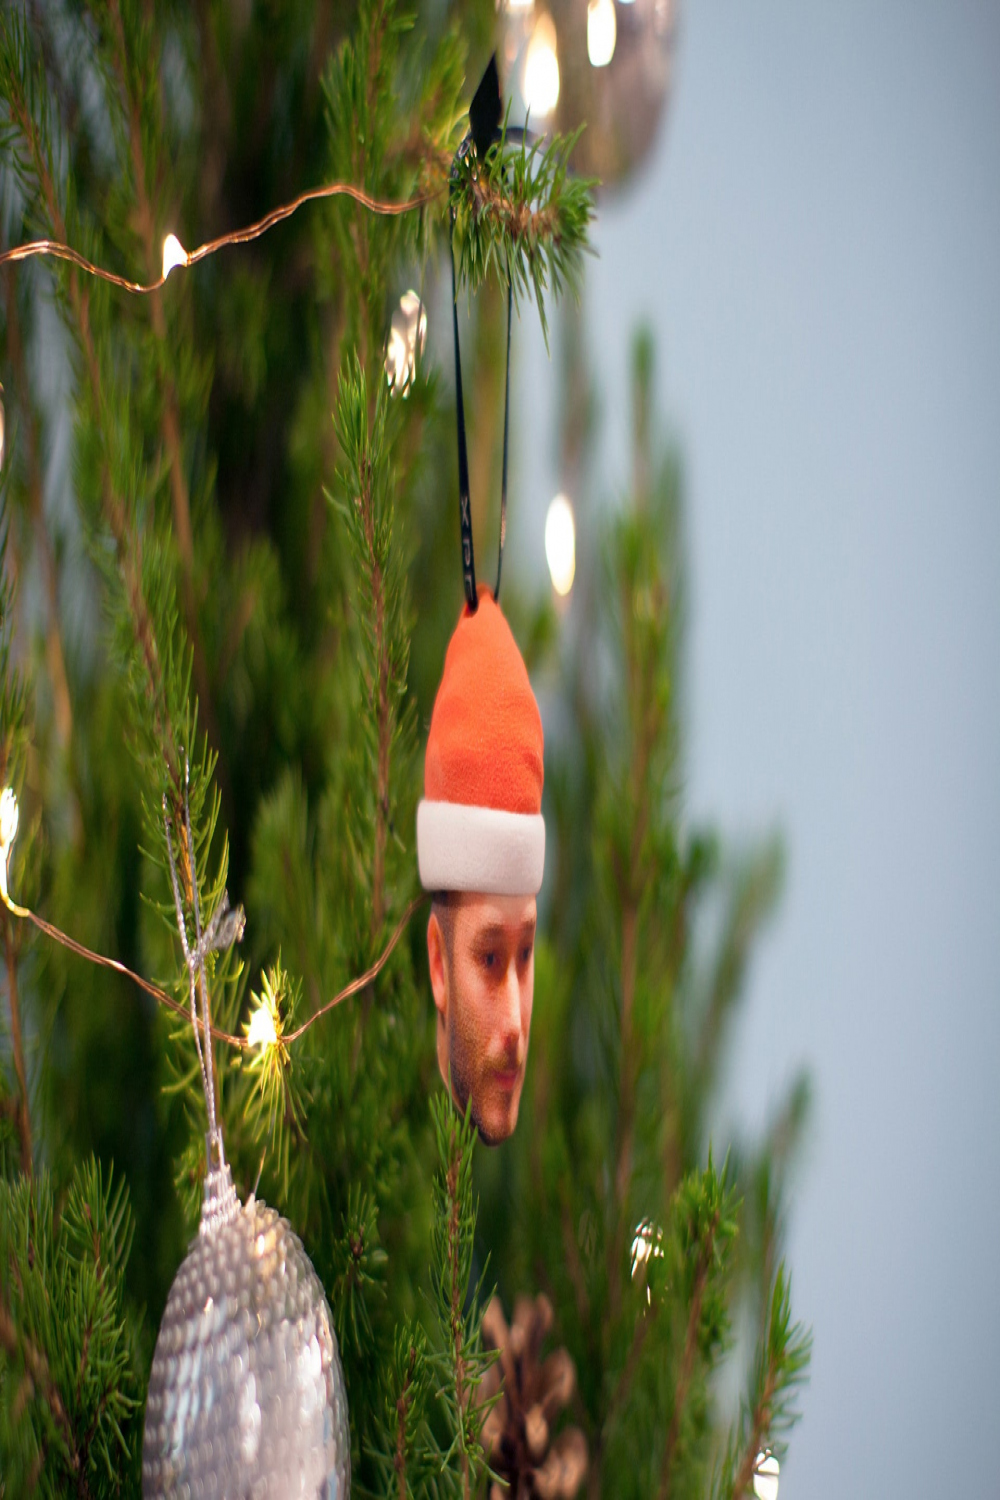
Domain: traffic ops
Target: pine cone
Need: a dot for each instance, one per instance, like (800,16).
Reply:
(517,1430)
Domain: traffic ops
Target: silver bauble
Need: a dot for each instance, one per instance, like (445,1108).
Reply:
(246,1397)
(613,64)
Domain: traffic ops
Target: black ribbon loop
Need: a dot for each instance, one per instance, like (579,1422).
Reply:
(485,115)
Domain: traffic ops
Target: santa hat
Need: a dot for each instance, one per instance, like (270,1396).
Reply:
(479,825)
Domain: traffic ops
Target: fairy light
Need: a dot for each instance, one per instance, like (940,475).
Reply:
(765,1476)
(560,544)
(647,1245)
(262,1031)
(541,69)
(406,342)
(8,833)
(602,32)
(174,254)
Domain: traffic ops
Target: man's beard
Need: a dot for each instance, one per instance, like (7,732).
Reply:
(461,1055)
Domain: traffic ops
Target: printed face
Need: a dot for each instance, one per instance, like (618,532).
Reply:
(482,963)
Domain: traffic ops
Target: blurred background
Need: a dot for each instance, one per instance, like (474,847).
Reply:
(814,239)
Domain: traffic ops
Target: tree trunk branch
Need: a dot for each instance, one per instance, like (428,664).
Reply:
(23,1114)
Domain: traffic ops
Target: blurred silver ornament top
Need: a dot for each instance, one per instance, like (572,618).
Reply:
(604,63)
(246,1396)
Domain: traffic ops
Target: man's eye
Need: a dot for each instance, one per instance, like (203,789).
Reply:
(488,958)
(526,952)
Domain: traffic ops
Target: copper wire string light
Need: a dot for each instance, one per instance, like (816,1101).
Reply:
(174,253)
(8,832)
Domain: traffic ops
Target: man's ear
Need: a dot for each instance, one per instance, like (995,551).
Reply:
(437,960)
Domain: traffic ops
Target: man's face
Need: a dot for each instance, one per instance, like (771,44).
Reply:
(482,965)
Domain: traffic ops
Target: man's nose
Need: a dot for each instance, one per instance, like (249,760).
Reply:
(509,1004)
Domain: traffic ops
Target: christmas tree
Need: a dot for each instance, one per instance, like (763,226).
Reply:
(230,569)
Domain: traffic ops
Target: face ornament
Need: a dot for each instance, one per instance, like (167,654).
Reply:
(481,850)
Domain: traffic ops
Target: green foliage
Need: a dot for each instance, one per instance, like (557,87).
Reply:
(462,1361)
(426,1440)
(70,1392)
(14,707)
(247,552)
(769,1410)
(521,214)
(406,1459)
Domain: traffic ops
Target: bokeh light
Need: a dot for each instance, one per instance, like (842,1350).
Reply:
(602,32)
(765,1476)
(541,70)
(560,544)
(174,254)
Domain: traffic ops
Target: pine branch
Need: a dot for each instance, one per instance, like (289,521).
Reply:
(158,658)
(127,71)
(67,1382)
(626,1109)
(368,487)
(126,540)
(685,1373)
(780,1371)
(383,724)
(706,1207)
(645,714)
(13,748)
(404,1403)
(19,1347)
(407,1459)
(462,1360)
(521,213)
(456,1323)
(360,1269)
(645,1324)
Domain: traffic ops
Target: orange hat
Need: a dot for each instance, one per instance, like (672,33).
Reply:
(479,825)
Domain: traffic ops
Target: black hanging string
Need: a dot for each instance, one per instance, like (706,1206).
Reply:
(506,429)
(484,118)
(464,504)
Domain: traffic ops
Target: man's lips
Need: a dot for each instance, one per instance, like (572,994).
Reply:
(507,1078)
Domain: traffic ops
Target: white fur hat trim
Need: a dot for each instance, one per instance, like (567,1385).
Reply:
(461,848)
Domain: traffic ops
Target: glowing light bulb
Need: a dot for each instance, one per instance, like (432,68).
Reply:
(8,819)
(647,1245)
(261,1032)
(560,544)
(8,832)
(541,69)
(174,254)
(520,4)
(765,1476)
(602,32)
(406,342)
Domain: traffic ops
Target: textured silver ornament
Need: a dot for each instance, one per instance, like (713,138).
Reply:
(607,64)
(246,1397)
